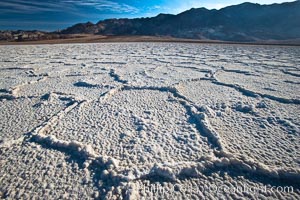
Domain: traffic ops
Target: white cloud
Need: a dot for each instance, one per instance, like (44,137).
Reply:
(104,5)
(34,6)
(29,7)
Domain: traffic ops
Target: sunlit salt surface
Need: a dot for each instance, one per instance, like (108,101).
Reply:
(149,120)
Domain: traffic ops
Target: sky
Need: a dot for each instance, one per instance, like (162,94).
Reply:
(50,15)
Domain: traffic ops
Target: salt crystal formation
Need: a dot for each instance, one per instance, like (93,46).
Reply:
(149,120)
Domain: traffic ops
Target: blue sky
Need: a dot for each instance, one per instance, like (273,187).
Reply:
(58,14)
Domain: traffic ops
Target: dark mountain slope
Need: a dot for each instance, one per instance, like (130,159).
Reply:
(243,22)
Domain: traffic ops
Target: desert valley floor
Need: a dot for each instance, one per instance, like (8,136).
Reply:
(149,121)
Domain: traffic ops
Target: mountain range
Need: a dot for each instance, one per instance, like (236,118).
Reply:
(245,22)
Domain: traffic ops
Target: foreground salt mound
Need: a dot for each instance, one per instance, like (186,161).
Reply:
(43,172)
(130,128)
(203,92)
(13,73)
(153,67)
(20,116)
(269,83)
(76,86)
(79,83)
(265,127)
(140,120)
(265,136)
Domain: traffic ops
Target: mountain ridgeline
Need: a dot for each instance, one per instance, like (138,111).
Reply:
(244,22)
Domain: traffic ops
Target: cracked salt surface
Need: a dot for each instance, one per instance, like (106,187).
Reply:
(140,120)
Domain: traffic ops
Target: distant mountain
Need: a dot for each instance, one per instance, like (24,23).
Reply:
(244,22)
(26,35)
(21,36)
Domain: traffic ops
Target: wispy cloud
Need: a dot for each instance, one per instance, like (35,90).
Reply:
(35,6)
(31,6)
(105,5)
